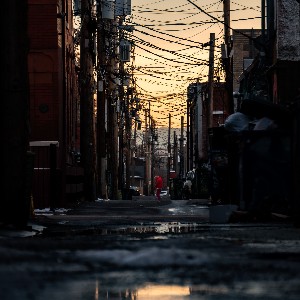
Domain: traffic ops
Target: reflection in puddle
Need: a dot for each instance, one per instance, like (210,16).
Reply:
(98,290)
(150,291)
(188,210)
(171,227)
(162,292)
(133,287)
(175,292)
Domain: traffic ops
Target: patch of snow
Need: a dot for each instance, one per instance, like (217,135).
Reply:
(48,211)
(101,200)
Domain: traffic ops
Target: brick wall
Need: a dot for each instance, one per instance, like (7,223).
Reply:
(243,48)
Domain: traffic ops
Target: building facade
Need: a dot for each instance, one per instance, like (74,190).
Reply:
(197,139)
(54,99)
(244,52)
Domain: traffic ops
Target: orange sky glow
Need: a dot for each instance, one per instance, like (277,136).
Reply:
(169,49)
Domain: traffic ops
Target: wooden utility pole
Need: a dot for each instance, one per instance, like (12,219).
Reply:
(101,106)
(123,141)
(147,167)
(87,122)
(175,153)
(210,104)
(190,132)
(149,154)
(200,140)
(128,125)
(181,166)
(169,152)
(112,128)
(152,129)
(228,59)
(112,148)
(226,9)
(188,126)
(133,154)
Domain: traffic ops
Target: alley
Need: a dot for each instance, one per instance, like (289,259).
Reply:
(148,250)
(102,97)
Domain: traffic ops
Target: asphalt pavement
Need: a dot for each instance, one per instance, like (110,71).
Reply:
(144,208)
(144,249)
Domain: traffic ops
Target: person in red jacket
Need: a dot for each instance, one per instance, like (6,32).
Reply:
(158,186)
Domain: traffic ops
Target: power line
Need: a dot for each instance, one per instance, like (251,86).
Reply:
(222,22)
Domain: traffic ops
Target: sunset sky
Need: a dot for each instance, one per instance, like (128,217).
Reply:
(170,51)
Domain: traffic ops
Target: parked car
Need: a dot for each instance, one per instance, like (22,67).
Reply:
(134,190)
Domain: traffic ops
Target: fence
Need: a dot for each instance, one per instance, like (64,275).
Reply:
(45,188)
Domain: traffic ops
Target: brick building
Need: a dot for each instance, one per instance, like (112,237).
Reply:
(197,143)
(54,98)
(244,52)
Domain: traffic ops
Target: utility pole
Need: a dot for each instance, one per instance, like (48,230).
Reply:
(133,154)
(226,9)
(123,141)
(87,123)
(181,166)
(188,126)
(228,59)
(148,155)
(101,105)
(200,122)
(146,177)
(210,104)
(175,153)
(112,129)
(128,125)
(169,152)
(152,130)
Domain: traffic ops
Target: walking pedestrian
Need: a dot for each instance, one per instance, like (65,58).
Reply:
(158,186)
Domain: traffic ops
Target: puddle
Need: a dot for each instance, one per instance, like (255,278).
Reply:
(161,228)
(101,289)
(188,210)
(33,229)
(97,290)
(161,292)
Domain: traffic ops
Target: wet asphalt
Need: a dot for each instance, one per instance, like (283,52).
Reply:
(142,249)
